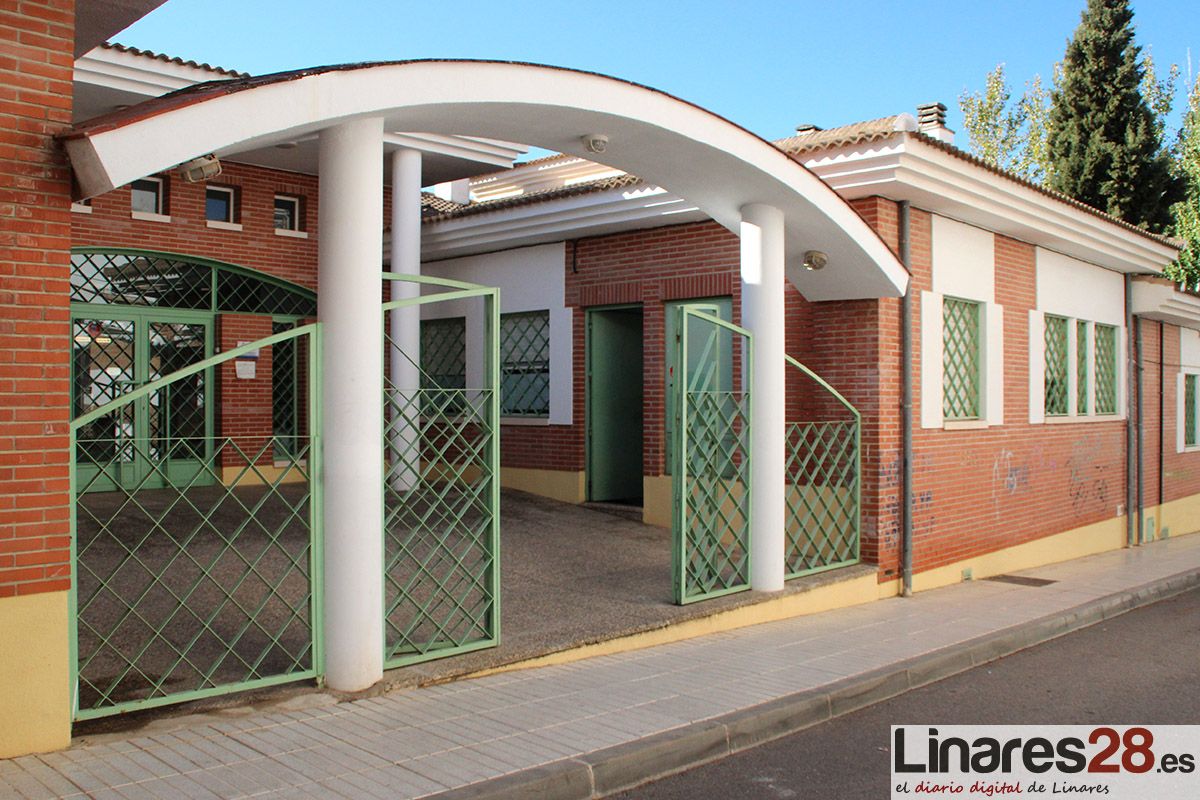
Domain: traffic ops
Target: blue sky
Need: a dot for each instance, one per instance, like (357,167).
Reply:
(764,65)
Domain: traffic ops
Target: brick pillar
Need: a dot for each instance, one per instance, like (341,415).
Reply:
(36,61)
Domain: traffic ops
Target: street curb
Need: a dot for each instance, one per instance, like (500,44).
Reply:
(624,766)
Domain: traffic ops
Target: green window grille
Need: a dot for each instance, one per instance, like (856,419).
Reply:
(961,359)
(1189,410)
(1106,369)
(285,391)
(525,364)
(1057,399)
(1081,367)
(444,353)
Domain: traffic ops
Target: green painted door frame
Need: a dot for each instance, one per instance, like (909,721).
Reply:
(136,421)
(614,443)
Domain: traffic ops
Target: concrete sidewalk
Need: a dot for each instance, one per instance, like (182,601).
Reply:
(592,727)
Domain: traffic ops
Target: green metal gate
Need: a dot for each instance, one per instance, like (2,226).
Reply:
(823,473)
(196,585)
(710,459)
(442,481)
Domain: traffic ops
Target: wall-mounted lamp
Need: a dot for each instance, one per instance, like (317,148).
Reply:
(815,260)
(200,168)
(595,142)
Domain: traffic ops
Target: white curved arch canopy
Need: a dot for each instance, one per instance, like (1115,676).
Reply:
(691,152)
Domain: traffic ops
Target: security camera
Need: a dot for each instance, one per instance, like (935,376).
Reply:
(200,169)
(595,142)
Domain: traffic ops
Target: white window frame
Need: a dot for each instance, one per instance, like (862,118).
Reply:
(160,200)
(297,229)
(230,222)
(1037,371)
(1181,410)
(991,363)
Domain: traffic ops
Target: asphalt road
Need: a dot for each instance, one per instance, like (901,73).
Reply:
(1142,667)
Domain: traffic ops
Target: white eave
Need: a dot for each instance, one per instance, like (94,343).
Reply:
(554,220)
(139,74)
(903,167)
(1160,300)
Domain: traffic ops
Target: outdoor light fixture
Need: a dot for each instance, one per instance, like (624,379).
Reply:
(200,168)
(815,260)
(595,142)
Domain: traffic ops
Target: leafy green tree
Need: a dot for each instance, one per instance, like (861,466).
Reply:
(1186,213)
(1105,140)
(1012,135)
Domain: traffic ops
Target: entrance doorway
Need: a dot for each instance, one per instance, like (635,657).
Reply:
(614,405)
(162,438)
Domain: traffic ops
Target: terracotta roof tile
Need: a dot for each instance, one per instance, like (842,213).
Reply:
(120,48)
(855,133)
(431,204)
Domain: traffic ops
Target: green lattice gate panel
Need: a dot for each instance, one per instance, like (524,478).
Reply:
(441,490)
(823,473)
(201,585)
(711,459)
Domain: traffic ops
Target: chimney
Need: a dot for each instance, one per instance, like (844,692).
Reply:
(806,127)
(931,121)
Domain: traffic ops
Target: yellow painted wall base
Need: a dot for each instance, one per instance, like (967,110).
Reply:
(1176,518)
(568,487)
(35,693)
(823,598)
(657,502)
(261,475)
(1179,517)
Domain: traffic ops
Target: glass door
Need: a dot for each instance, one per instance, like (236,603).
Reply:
(161,439)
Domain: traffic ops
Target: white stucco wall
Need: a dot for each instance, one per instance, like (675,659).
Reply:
(1068,287)
(964,267)
(529,279)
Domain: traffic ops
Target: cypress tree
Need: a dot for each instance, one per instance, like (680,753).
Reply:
(1104,140)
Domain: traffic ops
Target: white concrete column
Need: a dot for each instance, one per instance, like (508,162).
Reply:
(404,324)
(762,315)
(349,306)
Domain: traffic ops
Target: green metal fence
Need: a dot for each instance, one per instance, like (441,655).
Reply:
(442,495)
(190,588)
(710,468)
(823,473)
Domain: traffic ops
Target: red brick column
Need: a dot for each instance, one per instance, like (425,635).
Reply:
(36,62)
(36,41)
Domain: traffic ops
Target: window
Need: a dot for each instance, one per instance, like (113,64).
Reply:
(1057,387)
(147,196)
(1081,367)
(961,360)
(219,204)
(1189,410)
(1106,369)
(443,362)
(287,213)
(525,364)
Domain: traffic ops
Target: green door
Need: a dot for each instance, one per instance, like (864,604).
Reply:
(614,405)
(159,440)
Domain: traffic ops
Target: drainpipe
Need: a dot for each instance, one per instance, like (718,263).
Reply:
(906,404)
(1162,427)
(1137,371)
(1130,467)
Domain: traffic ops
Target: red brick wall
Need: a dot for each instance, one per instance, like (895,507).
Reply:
(36,42)
(977,491)
(244,406)
(1181,471)
(256,246)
